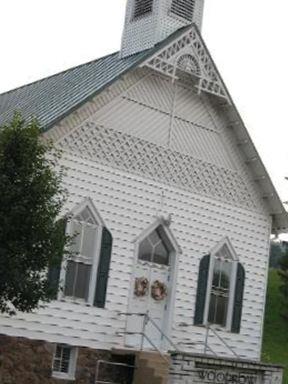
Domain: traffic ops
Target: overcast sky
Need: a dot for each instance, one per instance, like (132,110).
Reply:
(247,39)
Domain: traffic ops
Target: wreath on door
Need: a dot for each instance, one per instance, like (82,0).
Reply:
(141,286)
(158,290)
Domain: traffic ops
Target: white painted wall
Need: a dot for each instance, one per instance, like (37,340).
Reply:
(128,203)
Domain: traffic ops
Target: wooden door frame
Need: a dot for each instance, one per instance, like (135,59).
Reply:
(174,257)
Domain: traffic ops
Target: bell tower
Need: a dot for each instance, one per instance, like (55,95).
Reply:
(148,22)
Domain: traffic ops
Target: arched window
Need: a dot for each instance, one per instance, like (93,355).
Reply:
(84,228)
(183,8)
(155,247)
(84,274)
(220,289)
(142,8)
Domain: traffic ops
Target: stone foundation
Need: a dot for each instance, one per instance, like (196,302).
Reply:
(24,361)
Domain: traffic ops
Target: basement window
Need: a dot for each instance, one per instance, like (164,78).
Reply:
(142,8)
(64,362)
(183,9)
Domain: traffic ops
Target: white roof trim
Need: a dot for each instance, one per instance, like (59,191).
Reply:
(167,57)
(87,202)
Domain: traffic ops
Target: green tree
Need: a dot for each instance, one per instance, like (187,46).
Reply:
(283,273)
(31,197)
(276,253)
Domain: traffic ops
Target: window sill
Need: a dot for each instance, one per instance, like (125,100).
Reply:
(62,376)
(217,328)
(74,300)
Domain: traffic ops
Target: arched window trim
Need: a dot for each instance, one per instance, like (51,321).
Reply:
(96,252)
(164,223)
(234,260)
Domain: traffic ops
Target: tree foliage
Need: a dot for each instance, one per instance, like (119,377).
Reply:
(276,253)
(31,198)
(283,273)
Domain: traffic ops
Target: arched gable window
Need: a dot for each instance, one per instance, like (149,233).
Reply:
(85,274)
(220,288)
(142,8)
(156,247)
(183,8)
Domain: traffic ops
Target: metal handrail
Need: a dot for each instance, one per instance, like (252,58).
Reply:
(208,328)
(146,320)
(163,334)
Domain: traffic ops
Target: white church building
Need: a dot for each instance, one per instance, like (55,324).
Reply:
(173,211)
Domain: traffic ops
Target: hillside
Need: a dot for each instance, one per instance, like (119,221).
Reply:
(275,342)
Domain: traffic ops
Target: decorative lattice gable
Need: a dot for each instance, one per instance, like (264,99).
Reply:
(188,54)
(137,156)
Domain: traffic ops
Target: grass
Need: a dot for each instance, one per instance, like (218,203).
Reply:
(275,341)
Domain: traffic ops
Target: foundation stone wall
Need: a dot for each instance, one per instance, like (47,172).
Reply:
(24,361)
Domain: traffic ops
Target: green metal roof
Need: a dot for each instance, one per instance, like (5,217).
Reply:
(54,97)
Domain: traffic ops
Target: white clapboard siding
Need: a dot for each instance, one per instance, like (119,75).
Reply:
(140,82)
(188,138)
(147,106)
(128,205)
(68,322)
(150,99)
(92,106)
(152,125)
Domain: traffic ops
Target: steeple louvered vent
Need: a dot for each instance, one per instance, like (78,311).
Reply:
(183,8)
(142,8)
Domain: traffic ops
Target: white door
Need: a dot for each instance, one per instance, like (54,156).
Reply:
(150,292)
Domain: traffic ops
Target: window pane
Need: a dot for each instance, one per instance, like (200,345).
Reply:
(62,359)
(216,274)
(65,359)
(161,254)
(77,280)
(225,275)
(70,278)
(212,309)
(219,298)
(57,365)
(76,233)
(154,238)
(218,309)
(145,250)
(88,244)
(221,310)
(82,281)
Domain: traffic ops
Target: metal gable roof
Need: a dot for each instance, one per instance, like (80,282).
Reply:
(52,98)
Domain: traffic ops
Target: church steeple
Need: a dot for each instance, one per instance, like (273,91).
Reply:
(148,22)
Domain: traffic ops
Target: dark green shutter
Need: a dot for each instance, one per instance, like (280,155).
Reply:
(54,270)
(103,269)
(201,290)
(238,299)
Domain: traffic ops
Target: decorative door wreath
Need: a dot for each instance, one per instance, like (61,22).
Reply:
(141,286)
(158,290)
